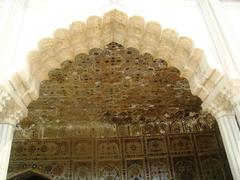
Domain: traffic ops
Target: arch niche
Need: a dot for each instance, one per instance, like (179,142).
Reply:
(29,175)
(117,27)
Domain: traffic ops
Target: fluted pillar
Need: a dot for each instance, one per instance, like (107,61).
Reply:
(236,105)
(224,112)
(237,111)
(231,137)
(11,112)
(231,94)
(6,137)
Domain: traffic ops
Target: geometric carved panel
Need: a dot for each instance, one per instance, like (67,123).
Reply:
(212,167)
(185,168)
(205,142)
(57,169)
(164,157)
(109,170)
(82,170)
(135,169)
(38,149)
(180,143)
(108,148)
(157,145)
(133,147)
(82,148)
(159,168)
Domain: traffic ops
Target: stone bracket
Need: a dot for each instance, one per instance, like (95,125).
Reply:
(11,109)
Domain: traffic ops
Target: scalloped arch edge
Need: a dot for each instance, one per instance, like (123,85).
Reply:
(115,26)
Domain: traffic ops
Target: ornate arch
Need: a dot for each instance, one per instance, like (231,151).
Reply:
(27,173)
(114,26)
(219,93)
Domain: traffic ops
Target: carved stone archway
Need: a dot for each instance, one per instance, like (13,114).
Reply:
(115,26)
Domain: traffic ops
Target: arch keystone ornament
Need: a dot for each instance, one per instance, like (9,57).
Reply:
(115,26)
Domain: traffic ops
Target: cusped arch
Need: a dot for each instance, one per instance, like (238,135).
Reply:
(28,174)
(116,26)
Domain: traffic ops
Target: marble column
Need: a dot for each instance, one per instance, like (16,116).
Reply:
(6,137)
(236,106)
(11,112)
(231,93)
(231,137)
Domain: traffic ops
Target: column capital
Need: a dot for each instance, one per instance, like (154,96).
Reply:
(11,112)
(231,91)
(219,107)
(225,93)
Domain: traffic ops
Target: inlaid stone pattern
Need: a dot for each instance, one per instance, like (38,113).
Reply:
(184,156)
(48,148)
(194,122)
(114,91)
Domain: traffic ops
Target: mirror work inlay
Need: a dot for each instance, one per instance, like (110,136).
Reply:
(117,114)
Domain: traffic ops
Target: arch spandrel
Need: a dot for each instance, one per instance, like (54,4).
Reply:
(115,26)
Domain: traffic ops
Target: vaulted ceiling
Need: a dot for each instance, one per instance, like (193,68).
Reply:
(115,86)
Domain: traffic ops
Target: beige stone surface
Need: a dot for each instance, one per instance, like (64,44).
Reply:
(115,26)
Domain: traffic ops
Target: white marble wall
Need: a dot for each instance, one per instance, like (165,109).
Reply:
(6,137)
